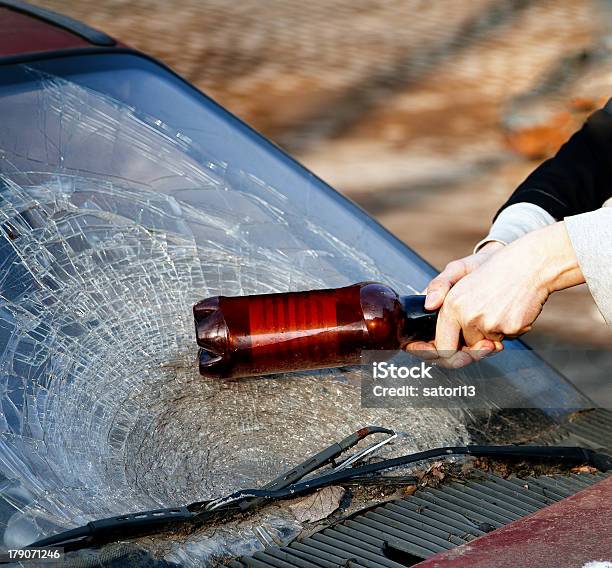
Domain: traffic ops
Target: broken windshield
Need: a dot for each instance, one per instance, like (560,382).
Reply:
(125,197)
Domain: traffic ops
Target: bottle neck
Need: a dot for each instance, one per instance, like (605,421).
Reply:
(418,324)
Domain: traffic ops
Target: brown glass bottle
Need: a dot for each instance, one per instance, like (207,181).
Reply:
(244,336)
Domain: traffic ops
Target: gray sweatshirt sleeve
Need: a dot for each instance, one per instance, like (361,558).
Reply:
(591,237)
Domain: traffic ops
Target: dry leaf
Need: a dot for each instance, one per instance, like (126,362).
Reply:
(584,469)
(319,505)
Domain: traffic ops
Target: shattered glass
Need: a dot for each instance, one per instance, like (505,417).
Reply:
(125,197)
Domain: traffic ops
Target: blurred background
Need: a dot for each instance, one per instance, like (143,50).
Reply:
(426,113)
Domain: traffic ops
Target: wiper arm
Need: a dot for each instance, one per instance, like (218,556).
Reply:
(328,455)
(572,454)
(289,485)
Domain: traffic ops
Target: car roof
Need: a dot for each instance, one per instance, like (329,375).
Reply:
(26,29)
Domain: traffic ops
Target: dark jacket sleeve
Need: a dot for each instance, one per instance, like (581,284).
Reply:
(579,177)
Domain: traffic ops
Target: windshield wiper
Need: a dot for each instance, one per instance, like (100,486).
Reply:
(290,484)
(572,454)
(147,522)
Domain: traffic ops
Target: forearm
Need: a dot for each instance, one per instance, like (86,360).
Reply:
(552,258)
(568,253)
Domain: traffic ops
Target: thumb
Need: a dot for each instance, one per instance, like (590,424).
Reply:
(439,287)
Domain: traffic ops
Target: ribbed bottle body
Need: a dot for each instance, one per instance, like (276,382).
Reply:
(275,333)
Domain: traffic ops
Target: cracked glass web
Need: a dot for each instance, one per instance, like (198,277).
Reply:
(114,221)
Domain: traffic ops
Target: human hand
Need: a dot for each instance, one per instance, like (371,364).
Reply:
(454,271)
(437,291)
(504,295)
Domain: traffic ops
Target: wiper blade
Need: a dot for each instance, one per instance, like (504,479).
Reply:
(121,525)
(289,485)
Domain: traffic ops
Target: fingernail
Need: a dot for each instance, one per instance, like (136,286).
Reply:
(431,300)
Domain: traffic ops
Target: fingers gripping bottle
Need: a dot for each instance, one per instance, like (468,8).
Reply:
(245,336)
